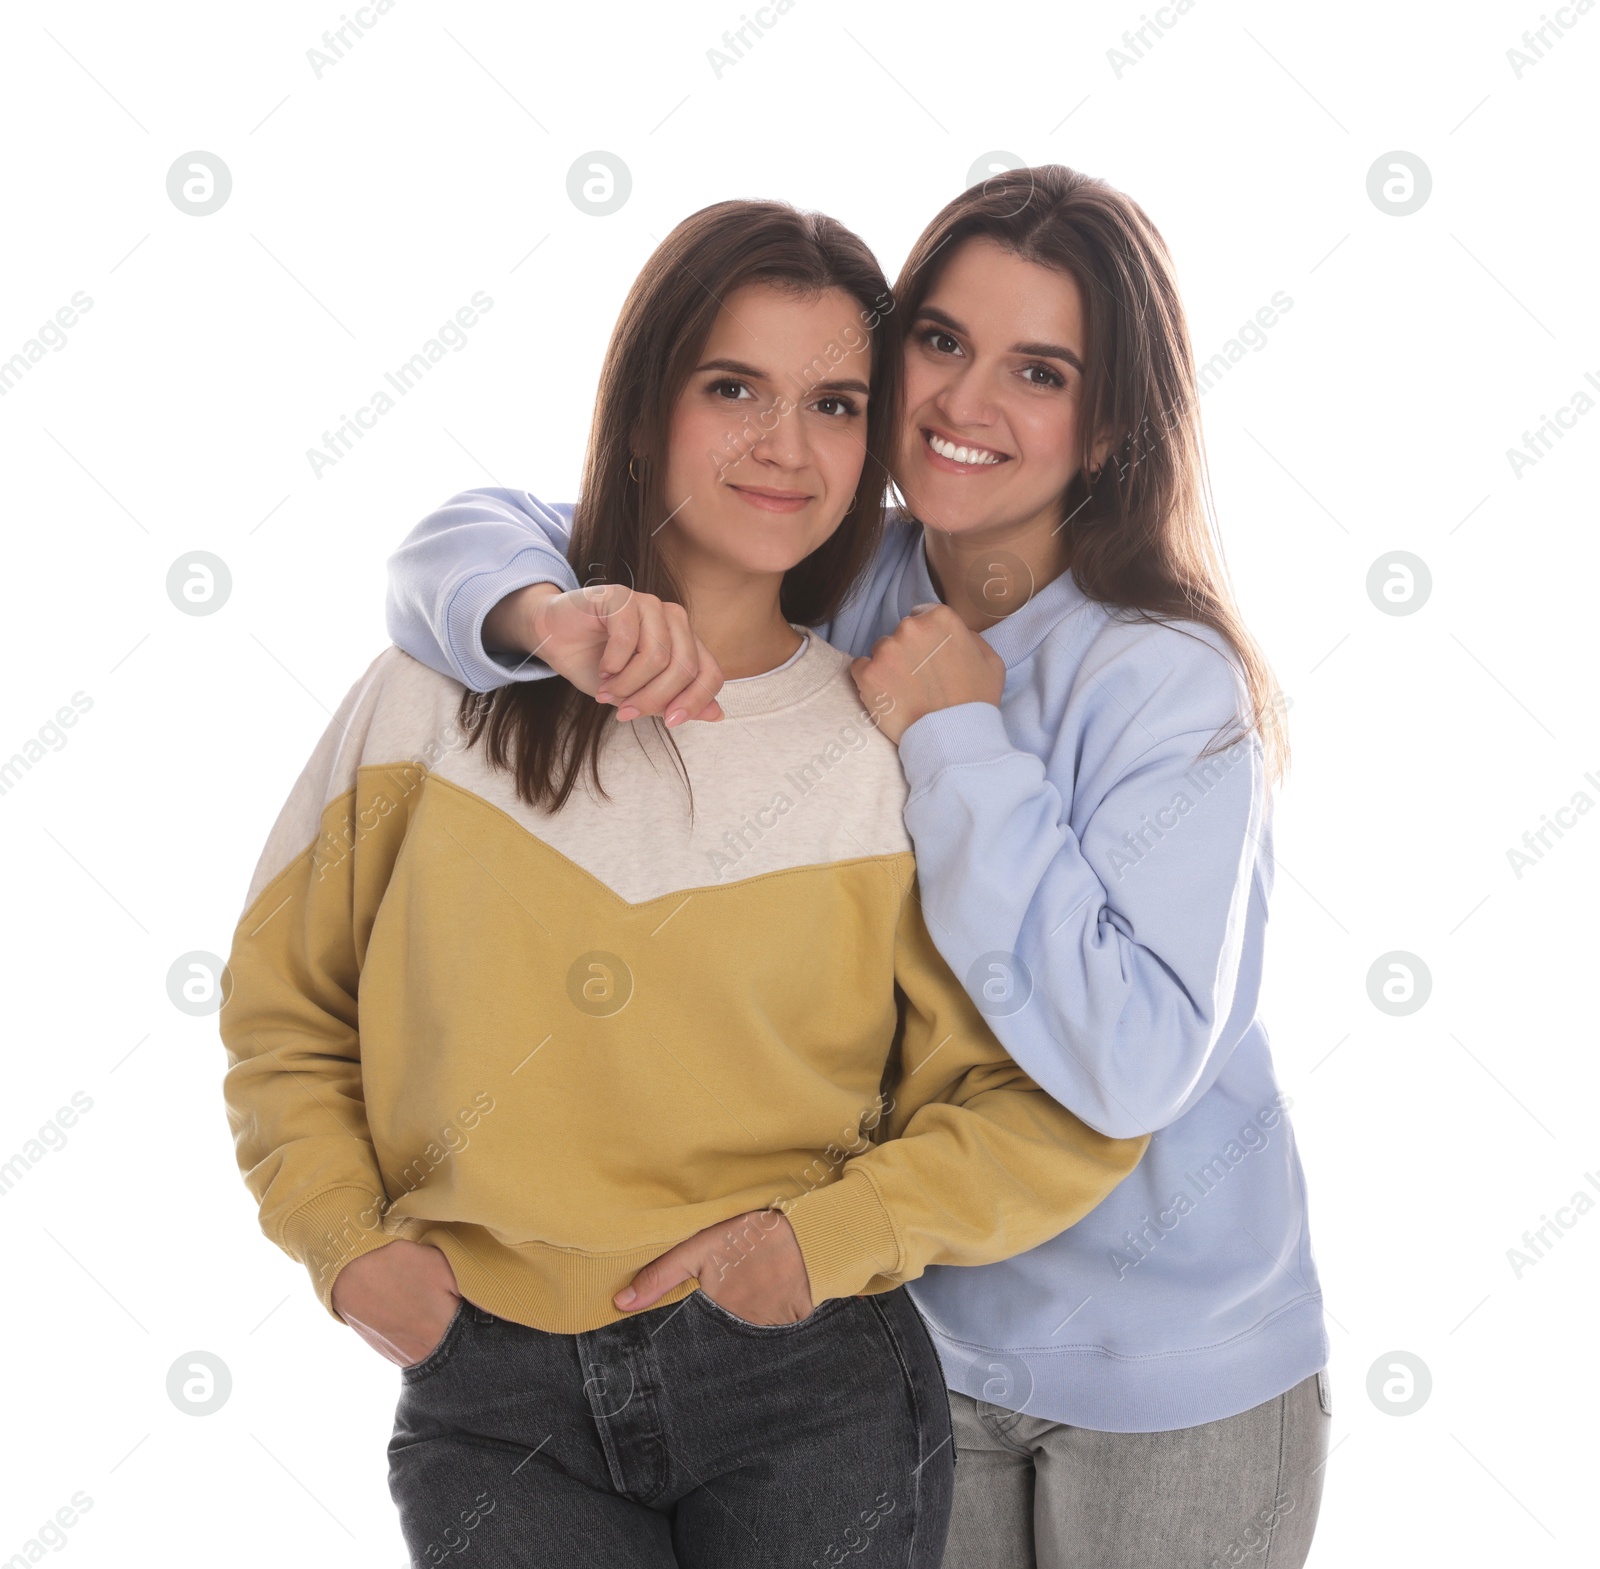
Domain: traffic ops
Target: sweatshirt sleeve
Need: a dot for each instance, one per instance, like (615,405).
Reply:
(457,564)
(974,1162)
(1126,908)
(293,1085)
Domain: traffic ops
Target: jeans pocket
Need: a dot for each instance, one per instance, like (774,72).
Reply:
(440,1354)
(732,1319)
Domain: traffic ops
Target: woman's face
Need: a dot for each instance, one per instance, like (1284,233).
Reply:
(994,380)
(769,434)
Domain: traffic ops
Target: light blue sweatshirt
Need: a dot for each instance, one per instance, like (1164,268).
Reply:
(1102,892)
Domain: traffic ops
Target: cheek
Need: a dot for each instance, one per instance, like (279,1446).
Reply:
(840,456)
(922,382)
(706,437)
(1048,436)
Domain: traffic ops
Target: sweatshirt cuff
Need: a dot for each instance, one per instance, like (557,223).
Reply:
(963,733)
(468,607)
(332,1229)
(845,1235)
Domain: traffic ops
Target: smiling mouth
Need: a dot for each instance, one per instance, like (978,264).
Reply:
(967,456)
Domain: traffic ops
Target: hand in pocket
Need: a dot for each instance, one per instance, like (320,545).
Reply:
(399,1298)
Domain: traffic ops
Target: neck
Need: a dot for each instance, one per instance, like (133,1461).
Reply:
(985,574)
(737,615)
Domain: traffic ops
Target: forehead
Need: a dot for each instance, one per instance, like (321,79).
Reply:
(779,331)
(996,293)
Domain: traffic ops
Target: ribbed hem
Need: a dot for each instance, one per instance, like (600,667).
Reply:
(332,1229)
(962,733)
(845,1236)
(1087,1386)
(558,1290)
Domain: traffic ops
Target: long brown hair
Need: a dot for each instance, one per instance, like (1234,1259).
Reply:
(547,731)
(1139,537)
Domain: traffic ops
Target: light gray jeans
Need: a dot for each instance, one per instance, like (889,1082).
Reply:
(1034,1494)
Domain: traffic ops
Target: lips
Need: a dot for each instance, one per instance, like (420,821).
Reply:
(961,457)
(766,500)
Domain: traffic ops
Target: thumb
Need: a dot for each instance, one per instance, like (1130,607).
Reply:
(657,1278)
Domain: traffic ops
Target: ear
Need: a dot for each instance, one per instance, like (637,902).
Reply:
(1102,449)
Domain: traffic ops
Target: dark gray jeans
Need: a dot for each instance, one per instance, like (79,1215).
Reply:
(682,1436)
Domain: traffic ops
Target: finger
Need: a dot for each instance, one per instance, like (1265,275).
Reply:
(631,686)
(622,638)
(698,699)
(678,669)
(633,651)
(655,1280)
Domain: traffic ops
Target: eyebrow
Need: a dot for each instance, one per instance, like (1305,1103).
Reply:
(750,373)
(1048,351)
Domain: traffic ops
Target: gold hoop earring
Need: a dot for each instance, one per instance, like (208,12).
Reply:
(852,506)
(633,472)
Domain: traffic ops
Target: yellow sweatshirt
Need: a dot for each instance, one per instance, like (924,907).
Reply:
(554,1045)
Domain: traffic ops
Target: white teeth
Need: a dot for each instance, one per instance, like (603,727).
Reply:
(948,449)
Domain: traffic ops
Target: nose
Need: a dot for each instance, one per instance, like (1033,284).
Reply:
(781,437)
(965,398)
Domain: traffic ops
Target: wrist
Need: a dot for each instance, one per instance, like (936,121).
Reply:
(512,626)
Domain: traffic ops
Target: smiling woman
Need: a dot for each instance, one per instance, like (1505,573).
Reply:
(1089,735)
(727,1065)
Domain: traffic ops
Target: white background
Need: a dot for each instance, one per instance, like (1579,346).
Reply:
(431,162)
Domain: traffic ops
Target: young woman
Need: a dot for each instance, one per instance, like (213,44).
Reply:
(1089,735)
(526,1005)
